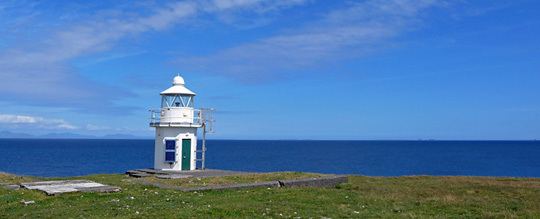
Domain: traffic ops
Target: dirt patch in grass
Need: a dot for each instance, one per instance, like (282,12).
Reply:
(6,178)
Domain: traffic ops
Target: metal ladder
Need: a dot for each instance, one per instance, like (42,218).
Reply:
(207,120)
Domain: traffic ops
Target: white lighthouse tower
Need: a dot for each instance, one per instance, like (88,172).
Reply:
(176,126)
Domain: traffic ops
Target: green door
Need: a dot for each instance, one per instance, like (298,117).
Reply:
(186,154)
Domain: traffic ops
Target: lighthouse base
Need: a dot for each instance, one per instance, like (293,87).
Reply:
(175,149)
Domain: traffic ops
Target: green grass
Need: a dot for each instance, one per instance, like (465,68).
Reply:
(419,196)
(229,180)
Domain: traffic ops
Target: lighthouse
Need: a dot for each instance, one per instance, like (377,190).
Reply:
(176,124)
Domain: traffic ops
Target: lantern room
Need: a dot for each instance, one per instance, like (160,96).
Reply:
(177,95)
(177,103)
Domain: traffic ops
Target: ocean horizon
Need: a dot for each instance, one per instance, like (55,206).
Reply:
(75,157)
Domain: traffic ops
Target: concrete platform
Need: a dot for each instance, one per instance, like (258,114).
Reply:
(168,174)
(65,186)
(328,181)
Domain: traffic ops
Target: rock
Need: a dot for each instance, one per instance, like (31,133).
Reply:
(26,203)
(12,187)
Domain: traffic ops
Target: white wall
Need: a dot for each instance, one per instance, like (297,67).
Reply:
(159,148)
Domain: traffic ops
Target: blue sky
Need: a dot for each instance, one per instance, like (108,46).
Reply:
(276,69)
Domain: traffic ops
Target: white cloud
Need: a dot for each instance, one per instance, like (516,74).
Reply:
(257,5)
(17,119)
(345,33)
(39,72)
(35,121)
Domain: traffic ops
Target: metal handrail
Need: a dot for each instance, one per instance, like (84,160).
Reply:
(200,116)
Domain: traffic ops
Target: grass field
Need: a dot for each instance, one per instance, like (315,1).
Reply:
(418,196)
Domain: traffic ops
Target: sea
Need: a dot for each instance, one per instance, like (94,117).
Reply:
(76,157)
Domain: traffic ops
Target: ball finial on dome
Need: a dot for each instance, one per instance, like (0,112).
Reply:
(178,80)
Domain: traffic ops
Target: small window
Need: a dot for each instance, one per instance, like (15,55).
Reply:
(170,145)
(170,150)
(170,156)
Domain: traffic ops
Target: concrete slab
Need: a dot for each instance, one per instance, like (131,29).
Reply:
(329,181)
(65,186)
(270,184)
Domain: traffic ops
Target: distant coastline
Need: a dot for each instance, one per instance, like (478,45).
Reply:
(67,135)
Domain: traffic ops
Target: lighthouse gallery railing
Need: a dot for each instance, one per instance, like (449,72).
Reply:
(203,116)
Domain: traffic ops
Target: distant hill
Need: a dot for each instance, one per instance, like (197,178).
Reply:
(121,136)
(8,134)
(68,135)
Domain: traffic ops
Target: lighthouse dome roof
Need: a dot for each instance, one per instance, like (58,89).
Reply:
(178,87)
(178,80)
